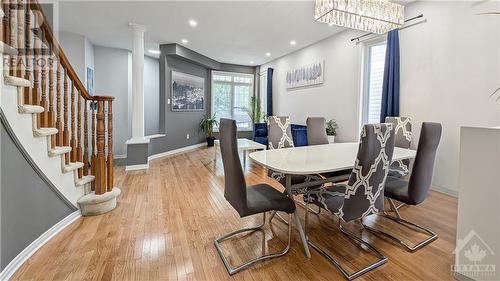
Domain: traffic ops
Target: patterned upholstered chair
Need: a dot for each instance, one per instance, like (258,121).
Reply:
(363,195)
(402,132)
(414,191)
(247,200)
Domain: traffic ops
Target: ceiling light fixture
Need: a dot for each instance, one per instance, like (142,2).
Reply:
(376,16)
(154,52)
(293,42)
(184,41)
(252,62)
(268,54)
(193,23)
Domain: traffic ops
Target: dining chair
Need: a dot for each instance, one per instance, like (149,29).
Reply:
(363,195)
(414,191)
(402,132)
(280,136)
(316,131)
(316,135)
(247,200)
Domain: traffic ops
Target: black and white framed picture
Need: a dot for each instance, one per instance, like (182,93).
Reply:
(188,92)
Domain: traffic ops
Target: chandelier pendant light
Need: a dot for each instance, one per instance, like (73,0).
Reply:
(375,16)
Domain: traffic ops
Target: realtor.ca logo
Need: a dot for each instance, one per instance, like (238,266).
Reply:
(474,258)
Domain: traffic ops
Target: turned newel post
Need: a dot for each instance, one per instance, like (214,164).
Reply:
(110,176)
(100,169)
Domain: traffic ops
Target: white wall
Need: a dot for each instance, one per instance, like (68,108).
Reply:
(449,66)
(338,97)
(80,53)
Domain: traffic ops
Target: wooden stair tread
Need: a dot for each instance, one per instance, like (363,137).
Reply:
(72,166)
(16,81)
(30,109)
(59,150)
(43,132)
(84,180)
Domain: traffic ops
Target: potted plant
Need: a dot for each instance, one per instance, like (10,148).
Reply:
(207,125)
(331,130)
(254,111)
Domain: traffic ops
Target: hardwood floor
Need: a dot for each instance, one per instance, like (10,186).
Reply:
(167,218)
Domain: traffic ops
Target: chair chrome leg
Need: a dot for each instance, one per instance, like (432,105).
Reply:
(300,203)
(432,235)
(232,270)
(356,240)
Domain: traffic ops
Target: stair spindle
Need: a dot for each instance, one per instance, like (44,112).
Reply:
(28,97)
(85,138)
(93,157)
(44,103)
(13,35)
(73,127)
(20,39)
(36,67)
(79,134)
(65,115)
(59,139)
(50,113)
(5,24)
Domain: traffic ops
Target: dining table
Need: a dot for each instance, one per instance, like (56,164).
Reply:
(316,159)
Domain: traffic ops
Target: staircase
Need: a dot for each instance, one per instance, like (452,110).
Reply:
(47,105)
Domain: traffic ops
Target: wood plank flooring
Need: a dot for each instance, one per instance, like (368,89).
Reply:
(167,218)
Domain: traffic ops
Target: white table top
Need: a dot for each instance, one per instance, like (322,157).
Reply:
(246,144)
(316,158)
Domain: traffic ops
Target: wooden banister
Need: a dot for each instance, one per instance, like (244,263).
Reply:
(57,88)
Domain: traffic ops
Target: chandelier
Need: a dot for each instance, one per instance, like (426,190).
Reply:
(375,16)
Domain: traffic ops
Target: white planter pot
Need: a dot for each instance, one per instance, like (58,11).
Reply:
(331,139)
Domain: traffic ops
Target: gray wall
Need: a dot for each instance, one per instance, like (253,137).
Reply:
(151,96)
(29,207)
(111,77)
(176,125)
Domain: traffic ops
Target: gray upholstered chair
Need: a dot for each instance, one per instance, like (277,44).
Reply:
(316,135)
(247,200)
(402,132)
(363,195)
(414,191)
(316,131)
(280,136)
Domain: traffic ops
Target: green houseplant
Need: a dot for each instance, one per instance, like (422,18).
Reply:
(254,110)
(207,125)
(331,130)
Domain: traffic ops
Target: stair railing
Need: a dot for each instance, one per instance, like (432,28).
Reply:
(57,88)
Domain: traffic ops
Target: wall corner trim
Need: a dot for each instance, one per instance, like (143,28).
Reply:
(25,254)
(137,167)
(176,151)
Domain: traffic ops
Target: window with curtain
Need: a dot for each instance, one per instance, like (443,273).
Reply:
(373,81)
(231,93)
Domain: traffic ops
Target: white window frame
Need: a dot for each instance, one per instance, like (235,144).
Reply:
(366,76)
(252,85)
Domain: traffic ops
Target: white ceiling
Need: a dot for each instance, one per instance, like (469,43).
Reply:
(228,31)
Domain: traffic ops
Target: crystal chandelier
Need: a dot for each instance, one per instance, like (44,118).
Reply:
(375,16)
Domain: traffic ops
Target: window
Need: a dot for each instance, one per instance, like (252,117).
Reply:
(231,93)
(373,80)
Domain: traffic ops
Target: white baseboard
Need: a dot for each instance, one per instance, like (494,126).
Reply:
(137,167)
(176,151)
(25,254)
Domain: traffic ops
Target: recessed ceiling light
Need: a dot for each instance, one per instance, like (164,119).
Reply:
(252,62)
(155,52)
(293,42)
(184,41)
(268,54)
(193,23)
